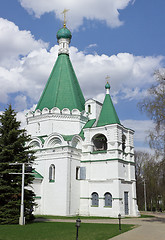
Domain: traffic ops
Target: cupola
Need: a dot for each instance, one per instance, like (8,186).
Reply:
(63,38)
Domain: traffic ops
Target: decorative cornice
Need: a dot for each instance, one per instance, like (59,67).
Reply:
(107,160)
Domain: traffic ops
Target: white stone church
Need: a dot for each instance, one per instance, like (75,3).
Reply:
(85,157)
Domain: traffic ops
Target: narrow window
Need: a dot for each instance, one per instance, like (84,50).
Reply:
(123,142)
(52,173)
(89,108)
(95,199)
(108,199)
(77,173)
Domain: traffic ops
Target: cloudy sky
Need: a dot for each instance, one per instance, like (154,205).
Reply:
(120,38)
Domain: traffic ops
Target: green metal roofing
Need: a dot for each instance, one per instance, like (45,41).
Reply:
(37,175)
(108,113)
(62,89)
(88,124)
(42,138)
(68,137)
(64,33)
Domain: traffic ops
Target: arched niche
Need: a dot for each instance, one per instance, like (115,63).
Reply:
(75,112)
(37,112)
(65,111)
(45,111)
(99,142)
(76,142)
(54,140)
(35,143)
(55,110)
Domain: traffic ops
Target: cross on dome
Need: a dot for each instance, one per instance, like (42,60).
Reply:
(107,86)
(64,12)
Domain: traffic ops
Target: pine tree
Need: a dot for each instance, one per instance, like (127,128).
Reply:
(13,149)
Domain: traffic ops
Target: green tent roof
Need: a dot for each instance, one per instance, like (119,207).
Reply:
(62,89)
(108,113)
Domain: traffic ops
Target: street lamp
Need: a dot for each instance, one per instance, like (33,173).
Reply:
(145,198)
(78,221)
(22,218)
(119,217)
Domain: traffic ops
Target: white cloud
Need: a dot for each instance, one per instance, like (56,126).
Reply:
(14,42)
(128,80)
(20,102)
(105,10)
(130,75)
(92,45)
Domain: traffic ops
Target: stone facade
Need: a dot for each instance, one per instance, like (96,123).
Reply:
(84,157)
(80,169)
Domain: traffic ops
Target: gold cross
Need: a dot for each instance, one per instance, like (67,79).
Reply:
(64,12)
(107,77)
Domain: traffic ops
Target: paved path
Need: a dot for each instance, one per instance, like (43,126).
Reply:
(147,228)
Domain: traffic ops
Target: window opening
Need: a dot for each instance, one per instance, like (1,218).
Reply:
(89,108)
(77,173)
(95,199)
(100,142)
(108,200)
(52,173)
(123,142)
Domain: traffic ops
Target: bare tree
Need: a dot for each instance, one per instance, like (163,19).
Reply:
(154,106)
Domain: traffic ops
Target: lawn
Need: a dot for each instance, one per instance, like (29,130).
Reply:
(61,231)
(70,217)
(85,217)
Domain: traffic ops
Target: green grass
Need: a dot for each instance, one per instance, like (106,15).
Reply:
(146,216)
(61,231)
(70,217)
(85,217)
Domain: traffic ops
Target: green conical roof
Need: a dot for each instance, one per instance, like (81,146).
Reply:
(62,89)
(108,113)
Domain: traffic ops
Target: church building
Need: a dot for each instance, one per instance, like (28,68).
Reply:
(84,156)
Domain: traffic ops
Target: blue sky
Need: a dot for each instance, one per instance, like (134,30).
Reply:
(120,38)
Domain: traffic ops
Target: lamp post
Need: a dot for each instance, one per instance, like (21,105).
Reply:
(119,217)
(145,198)
(22,218)
(78,221)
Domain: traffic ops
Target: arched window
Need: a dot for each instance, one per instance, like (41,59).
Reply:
(108,199)
(100,142)
(52,173)
(89,108)
(95,199)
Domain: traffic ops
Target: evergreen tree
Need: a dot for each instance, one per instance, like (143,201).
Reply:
(13,149)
